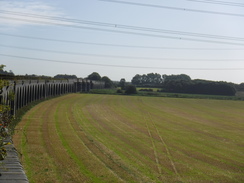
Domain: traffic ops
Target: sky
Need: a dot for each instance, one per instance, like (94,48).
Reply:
(121,38)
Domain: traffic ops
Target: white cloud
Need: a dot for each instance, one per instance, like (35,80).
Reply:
(21,13)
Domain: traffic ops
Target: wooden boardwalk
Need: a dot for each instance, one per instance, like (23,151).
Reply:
(10,168)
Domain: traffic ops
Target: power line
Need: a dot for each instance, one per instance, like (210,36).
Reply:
(133,33)
(58,18)
(116,26)
(219,2)
(110,65)
(113,25)
(115,45)
(118,56)
(121,57)
(174,8)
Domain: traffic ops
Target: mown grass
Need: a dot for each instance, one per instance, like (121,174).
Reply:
(119,138)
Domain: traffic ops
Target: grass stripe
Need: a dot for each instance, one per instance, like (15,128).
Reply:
(66,145)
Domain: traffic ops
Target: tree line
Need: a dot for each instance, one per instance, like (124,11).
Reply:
(184,84)
(181,83)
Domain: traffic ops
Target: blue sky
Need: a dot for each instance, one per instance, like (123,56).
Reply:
(119,39)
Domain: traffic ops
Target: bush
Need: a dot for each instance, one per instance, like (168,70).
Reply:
(146,90)
(130,89)
(119,91)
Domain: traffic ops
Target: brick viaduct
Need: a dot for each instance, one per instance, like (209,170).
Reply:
(27,91)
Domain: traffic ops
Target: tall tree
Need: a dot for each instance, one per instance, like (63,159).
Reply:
(151,79)
(2,72)
(94,76)
(122,83)
(2,67)
(137,79)
(108,82)
(154,79)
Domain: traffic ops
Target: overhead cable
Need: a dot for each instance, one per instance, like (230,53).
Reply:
(122,57)
(117,45)
(134,33)
(174,8)
(219,2)
(110,65)
(114,26)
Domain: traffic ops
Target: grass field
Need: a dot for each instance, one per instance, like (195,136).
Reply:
(155,93)
(113,138)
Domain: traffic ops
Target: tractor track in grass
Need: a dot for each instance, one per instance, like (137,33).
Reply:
(151,128)
(148,119)
(165,146)
(154,150)
(200,155)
